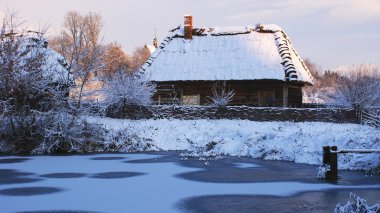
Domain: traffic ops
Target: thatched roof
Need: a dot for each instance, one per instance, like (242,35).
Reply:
(234,53)
(32,43)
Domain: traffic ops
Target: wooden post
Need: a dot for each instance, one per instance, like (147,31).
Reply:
(330,157)
(326,159)
(326,155)
(333,163)
(181,97)
(285,94)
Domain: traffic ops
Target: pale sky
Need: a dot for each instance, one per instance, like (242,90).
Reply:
(329,32)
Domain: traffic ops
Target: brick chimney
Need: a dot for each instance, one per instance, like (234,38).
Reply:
(188,27)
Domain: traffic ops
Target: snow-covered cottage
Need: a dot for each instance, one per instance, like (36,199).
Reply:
(258,62)
(32,45)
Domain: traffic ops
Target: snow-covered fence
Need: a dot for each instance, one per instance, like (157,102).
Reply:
(133,112)
(330,159)
(333,115)
(368,117)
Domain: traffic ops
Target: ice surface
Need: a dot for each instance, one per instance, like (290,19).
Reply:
(157,190)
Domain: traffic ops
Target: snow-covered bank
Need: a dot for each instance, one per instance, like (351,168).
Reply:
(298,142)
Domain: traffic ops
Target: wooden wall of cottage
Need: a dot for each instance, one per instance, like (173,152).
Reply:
(250,93)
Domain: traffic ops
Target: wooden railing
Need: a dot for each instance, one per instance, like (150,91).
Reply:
(368,117)
(330,159)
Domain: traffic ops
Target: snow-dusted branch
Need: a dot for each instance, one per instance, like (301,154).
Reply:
(356,204)
(80,43)
(360,86)
(220,95)
(127,89)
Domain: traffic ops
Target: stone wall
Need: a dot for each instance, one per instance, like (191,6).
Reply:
(333,115)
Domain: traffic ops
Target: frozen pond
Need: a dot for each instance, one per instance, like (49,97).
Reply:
(161,182)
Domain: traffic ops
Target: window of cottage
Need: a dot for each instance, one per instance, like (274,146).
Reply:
(191,99)
(266,97)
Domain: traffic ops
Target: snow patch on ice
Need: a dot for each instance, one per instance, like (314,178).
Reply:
(246,165)
(322,170)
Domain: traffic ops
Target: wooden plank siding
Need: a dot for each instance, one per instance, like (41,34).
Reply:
(250,93)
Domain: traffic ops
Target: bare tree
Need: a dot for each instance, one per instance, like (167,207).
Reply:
(115,59)
(359,85)
(329,78)
(325,84)
(314,68)
(10,51)
(311,94)
(139,56)
(221,95)
(80,43)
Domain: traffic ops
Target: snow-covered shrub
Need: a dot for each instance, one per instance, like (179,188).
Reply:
(20,133)
(317,95)
(125,89)
(174,96)
(220,95)
(63,132)
(34,87)
(356,204)
(358,86)
(126,141)
(51,132)
(32,76)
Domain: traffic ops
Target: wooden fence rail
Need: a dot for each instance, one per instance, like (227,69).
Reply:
(357,151)
(368,117)
(330,158)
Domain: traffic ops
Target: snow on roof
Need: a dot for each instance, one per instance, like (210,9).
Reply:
(57,67)
(33,43)
(151,48)
(232,53)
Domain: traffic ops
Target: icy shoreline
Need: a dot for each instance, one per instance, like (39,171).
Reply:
(296,142)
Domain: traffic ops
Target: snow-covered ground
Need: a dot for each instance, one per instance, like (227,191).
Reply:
(297,142)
